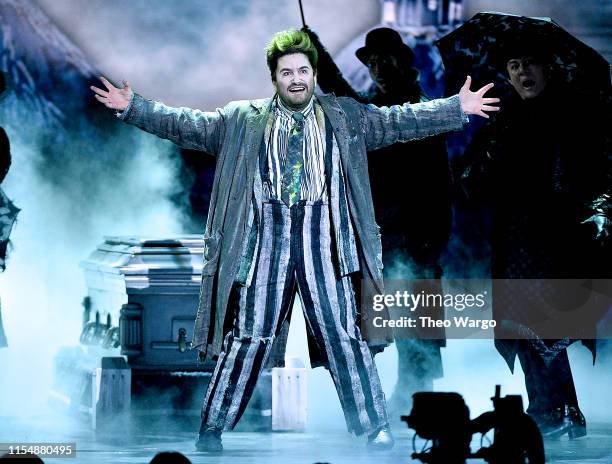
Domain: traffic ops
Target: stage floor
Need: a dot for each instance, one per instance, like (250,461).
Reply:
(138,444)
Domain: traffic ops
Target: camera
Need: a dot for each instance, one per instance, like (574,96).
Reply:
(444,420)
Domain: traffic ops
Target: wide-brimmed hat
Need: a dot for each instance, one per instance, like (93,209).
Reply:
(387,41)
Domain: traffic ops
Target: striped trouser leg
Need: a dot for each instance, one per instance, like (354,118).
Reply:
(261,307)
(330,309)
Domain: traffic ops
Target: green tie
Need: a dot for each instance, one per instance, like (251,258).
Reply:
(294,163)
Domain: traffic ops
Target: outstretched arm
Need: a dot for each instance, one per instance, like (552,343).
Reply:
(188,128)
(387,125)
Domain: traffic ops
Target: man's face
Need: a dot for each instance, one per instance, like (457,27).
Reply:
(527,76)
(384,71)
(294,80)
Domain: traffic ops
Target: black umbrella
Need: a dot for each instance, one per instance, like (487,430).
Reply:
(475,48)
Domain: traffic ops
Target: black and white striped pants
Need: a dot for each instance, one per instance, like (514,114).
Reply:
(294,249)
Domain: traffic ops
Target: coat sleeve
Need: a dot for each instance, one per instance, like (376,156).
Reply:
(385,126)
(188,128)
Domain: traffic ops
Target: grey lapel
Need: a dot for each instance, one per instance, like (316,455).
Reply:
(337,119)
(255,126)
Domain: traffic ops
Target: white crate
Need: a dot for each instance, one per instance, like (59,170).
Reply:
(289,397)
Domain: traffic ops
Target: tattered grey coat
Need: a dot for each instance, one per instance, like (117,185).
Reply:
(234,135)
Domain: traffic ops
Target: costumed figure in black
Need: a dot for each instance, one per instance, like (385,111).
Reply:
(542,169)
(411,187)
(8,211)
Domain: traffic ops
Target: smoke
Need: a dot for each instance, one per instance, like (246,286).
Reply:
(61,223)
(77,175)
(84,176)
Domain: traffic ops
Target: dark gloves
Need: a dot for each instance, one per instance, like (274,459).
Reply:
(601,218)
(602,224)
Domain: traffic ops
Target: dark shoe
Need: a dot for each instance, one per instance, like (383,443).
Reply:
(209,441)
(381,439)
(568,419)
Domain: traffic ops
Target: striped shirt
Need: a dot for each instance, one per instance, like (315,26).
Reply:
(313,152)
(343,232)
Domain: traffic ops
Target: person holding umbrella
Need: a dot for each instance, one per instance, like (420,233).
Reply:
(542,167)
(291,210)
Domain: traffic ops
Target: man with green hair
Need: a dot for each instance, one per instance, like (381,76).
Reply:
(291,209)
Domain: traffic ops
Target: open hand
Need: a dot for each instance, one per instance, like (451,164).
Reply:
(112,97)
(474,102)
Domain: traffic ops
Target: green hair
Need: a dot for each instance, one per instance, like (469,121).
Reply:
(287,42)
